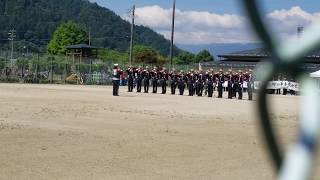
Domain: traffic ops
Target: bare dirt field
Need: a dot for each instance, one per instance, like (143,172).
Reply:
(82,132)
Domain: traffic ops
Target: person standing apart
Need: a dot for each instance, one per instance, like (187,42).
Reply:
(116,79)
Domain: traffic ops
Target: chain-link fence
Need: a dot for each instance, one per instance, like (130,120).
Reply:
(44,69)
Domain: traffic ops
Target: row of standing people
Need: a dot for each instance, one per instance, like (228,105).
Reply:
(197,83)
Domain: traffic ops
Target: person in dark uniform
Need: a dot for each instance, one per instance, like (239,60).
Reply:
(230,80)
(220,83)
(250,81)
(190,83)
(181,83)
(210,85)
(163,81)
(173,83)
(116,79)
(197,84)
(154,80)
(239,82)
(139,74)
(146,80)
(235,85)
(130,77)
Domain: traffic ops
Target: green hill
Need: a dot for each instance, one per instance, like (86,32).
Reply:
(36,20)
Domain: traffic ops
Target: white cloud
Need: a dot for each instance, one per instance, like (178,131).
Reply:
(285,22)
(201,27)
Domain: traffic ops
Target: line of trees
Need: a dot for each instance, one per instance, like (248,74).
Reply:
(70,33)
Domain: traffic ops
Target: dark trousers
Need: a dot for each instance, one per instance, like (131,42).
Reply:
(130,84)
(210,90)
(191,89)
(250,94)
(181,89)
(199,89)
(240,92)
(220,91)
(139,84)
(173,88)
(146,85)
(234,90)
(116,84)
(154,85)
(164,86)
(230,91)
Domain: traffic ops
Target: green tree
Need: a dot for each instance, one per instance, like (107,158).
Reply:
(184,58)
(67,34)
(112,56)
(2,63)
(145,54)
(36,20)
(204,56)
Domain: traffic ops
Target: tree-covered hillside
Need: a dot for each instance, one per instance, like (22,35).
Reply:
(36,20)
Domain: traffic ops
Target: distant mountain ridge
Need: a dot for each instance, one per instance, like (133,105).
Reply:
(220,48)
(35,21)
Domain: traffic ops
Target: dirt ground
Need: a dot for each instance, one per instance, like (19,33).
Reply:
(82,132)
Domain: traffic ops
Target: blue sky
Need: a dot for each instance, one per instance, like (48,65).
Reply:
(217,21)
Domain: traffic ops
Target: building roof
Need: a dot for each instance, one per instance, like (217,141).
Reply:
(81,46)
(260,54)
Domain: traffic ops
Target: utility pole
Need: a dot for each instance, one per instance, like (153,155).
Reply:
(132,31)
(89,36)
(172,34)
(12,35)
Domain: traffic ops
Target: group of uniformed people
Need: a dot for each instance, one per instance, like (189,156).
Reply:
(198,83)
